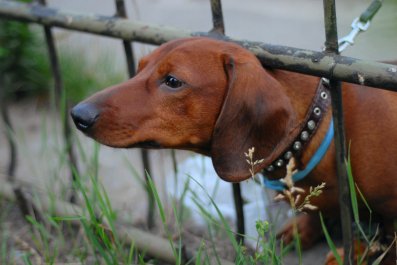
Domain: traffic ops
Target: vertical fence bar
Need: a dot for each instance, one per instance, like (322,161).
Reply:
(219,27)
(61,101)
(238,205)
(9,133)
(129,55)
(217,16)
(331,45)
(25,205)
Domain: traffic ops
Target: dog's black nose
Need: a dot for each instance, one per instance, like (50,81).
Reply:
(84,115)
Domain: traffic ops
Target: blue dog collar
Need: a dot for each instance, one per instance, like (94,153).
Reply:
(314,161)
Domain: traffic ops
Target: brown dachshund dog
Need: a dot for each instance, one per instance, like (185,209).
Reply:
(215,98)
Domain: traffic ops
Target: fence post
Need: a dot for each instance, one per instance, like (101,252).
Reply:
(129,55)
(217,16)
(331,45)
(9,133)
(61,101)
(24,203)
(219,27)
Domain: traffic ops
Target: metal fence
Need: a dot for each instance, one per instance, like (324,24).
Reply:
(328,64)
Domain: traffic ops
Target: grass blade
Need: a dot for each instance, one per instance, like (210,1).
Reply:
(220,215)
(353,197)
(330,242)
(352,188)
(153,189)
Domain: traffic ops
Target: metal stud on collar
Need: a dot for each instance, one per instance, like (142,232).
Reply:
(270,168)
(311,125)
(279,163)
(317,111)
(304,136)
(297,146)
(288,155)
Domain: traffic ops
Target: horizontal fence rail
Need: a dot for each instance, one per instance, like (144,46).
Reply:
(310,62)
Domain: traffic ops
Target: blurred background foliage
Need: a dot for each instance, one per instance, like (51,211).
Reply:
(25,69)
(23,64)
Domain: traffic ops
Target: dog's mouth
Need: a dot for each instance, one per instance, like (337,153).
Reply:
(146,145)
(120,142)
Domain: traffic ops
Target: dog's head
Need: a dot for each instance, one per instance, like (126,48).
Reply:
(198,94)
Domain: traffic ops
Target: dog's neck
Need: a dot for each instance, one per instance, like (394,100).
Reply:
(299,88)
(302,90)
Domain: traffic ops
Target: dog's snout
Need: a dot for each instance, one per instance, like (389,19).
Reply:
(84,115)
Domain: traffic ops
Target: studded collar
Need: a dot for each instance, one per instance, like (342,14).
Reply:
(313,118)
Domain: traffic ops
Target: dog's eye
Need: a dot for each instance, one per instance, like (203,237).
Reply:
(172,82)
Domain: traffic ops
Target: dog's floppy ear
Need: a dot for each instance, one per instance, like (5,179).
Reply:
(255,113)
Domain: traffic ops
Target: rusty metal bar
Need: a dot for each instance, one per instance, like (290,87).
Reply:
(24,204)
(331,45)
(9,133)
(297,60)
(61,100)
(129,55)
(239,206)
(217,16)
(219,28)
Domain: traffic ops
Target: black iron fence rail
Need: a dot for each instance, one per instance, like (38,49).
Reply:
(310,62)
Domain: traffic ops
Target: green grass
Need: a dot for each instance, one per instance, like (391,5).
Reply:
(95,238)
(25,69)
(367,236)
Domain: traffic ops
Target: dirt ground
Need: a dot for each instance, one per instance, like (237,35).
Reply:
(287,22)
